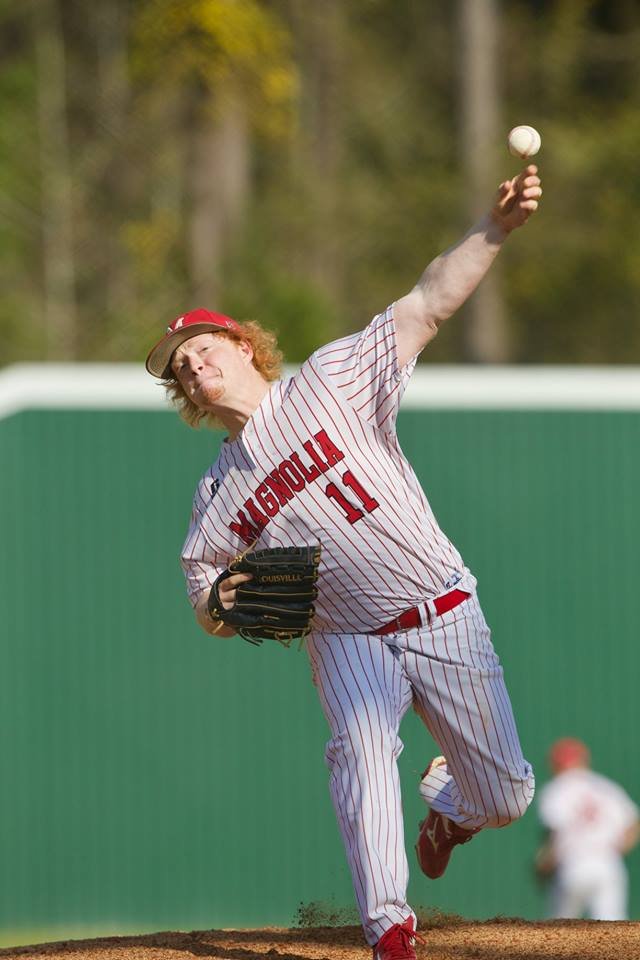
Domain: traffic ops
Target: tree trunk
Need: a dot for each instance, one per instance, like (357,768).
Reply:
(218,186)
(59,310)
(486,339)
(115,175)
(319,32)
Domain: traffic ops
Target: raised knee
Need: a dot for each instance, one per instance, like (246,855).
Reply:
(515,798)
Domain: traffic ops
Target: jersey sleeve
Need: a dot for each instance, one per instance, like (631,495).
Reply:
(547,808)
(201,562)
(627,810)
(364,367)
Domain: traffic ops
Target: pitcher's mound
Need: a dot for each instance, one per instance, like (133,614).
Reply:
(498,939)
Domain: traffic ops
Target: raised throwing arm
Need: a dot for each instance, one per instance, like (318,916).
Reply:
(453,276)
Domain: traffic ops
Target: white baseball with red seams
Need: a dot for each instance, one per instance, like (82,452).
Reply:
(524,142)
(319,462)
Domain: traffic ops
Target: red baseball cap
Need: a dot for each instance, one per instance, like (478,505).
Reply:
(183,328)
(568,752)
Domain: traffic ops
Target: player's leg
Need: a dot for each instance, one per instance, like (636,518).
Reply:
(365,693)
(608,900)
(568,897)
(460,693)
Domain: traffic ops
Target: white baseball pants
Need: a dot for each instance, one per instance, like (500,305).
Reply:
(366,683)
(595,886)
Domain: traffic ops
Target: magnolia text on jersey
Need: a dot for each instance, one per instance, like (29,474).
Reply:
(290,477)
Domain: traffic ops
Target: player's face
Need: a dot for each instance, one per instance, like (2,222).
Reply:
(209,366)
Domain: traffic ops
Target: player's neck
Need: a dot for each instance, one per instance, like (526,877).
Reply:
(235,413)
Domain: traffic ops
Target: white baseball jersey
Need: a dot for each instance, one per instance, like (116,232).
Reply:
(319,462)
(588,815)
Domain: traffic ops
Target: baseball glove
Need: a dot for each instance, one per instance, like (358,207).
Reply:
(277,603)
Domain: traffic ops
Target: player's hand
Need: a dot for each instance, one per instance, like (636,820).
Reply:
(517,199)
(228,587)
(545,863)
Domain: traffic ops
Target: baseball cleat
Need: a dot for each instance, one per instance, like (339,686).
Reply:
(398,942)
(436,840)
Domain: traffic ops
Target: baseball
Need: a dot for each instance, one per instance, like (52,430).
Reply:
(524,142)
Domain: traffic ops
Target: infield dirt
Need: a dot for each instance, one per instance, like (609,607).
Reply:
(499,939)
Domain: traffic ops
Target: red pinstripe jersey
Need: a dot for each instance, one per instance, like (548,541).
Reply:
(319,462)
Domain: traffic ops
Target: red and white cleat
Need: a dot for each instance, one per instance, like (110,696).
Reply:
(438,835)
(397,943)
(436,840)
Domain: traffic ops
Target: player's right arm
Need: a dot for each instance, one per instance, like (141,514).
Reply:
(545,863)
(203,560)
(453,276)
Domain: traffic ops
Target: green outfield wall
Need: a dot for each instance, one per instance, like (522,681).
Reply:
(155,778)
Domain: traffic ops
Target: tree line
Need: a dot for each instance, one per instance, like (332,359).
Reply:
(300,162)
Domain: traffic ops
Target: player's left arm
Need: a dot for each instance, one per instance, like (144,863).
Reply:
(629,838)
(216,627)
(453,276)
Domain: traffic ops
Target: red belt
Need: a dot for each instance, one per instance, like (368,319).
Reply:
(411,618)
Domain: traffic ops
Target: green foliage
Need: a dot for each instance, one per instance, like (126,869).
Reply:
(19,193)
(355,168)
(301,315)
(573,283)
(213,42)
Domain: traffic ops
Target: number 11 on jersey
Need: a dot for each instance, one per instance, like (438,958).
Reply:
(352,513)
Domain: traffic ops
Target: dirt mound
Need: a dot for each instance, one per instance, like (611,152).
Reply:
(445,939)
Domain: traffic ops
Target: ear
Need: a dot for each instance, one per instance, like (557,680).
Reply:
(246,351)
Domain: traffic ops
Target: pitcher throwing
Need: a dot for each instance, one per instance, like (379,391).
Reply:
(389,608)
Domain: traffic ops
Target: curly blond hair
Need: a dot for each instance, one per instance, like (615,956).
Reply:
(267,360)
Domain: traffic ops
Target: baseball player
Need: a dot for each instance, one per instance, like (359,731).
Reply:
(591,824)
(313,463)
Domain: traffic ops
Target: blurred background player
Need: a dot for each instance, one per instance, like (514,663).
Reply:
(591,824)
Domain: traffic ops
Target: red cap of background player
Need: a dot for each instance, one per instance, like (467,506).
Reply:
(183,328)
(567,753)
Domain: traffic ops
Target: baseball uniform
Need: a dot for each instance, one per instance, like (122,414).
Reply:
(319,462)
(588,816)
